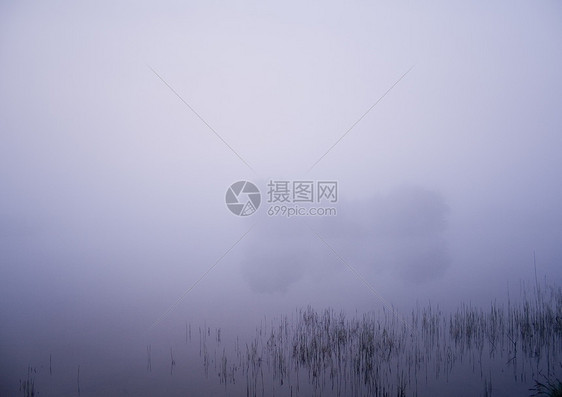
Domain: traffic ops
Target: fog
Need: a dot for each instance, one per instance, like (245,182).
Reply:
(123,125)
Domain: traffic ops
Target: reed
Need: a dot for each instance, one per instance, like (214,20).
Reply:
(377,354)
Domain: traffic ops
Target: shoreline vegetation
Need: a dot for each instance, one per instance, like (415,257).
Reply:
(326,353)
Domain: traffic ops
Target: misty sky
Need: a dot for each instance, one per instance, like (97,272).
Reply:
(112,190)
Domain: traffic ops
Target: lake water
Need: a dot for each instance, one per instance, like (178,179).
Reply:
(500,350)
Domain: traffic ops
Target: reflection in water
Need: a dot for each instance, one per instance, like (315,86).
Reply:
(500,350)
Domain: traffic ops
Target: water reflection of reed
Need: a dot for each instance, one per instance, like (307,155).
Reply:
(379,354)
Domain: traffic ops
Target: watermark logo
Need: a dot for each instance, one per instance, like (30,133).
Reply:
(285,198)
(243,198)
